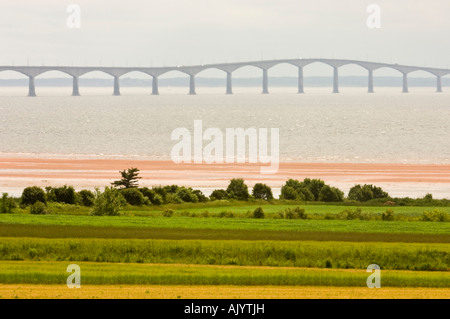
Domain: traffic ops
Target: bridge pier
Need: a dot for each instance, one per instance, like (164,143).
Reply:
(31,87)
(300,80)
(75,88)
(335,80)
(265,83)
(439,84)
(229,84)
(192,84)
(405,83)
(116,86)
(155,90)
(370,85)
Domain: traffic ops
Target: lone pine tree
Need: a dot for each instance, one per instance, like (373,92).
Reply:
(129,178)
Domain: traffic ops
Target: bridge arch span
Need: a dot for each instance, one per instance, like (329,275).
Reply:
(286,67)
(47,74)
(136,71)
(52,71)
(86,72)
(405,88)
(14,70)
(7,74)
(425,72)
(135,75)
(83,73)
(218,73)
(179,73)
(250,70)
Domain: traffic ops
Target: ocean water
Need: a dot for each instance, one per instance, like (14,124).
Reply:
(352,126)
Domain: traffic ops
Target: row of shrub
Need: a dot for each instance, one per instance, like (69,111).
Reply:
(299,213)
(111,201)
(310,190)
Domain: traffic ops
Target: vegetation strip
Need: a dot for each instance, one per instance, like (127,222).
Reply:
(433,257)
(362,226)
(56,231)
(54,273)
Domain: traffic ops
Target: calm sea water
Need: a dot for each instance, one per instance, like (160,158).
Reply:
(318,126)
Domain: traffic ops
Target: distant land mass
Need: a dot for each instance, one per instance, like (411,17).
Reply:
(313,81)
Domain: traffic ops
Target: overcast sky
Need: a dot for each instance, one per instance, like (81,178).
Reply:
(172,32)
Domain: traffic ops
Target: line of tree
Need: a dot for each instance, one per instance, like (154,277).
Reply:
(127,192)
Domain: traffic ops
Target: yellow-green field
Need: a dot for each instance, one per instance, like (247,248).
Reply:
(26,291)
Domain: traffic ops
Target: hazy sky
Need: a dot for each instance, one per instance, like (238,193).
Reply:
(172,32)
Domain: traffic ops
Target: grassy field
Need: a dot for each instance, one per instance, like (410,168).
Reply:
(57,231)
(320,209)
(364,226)
(240,208)
(54,273)
(244,253)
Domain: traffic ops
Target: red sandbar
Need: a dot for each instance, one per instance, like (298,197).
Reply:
(87,171)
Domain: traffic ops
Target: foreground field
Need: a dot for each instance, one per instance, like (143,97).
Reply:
(142,254)
(27,291)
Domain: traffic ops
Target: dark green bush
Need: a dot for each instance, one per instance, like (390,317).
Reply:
(7,205)
(86,198)
(157,200)
(237,189)
(186,195)
(258,213)
(226,214)
(300,213)
(109,202)
(200,196)
(133,196)
(171,189)
(309,190)
(65,194)
(349,214)
(161,192)
(288,192)
(366,192)
(436,215)
(262,191)
(218,194)
(172,199)
(38,208)
(168,213)
(147,192)
(330,194)
(31,195)
(296,213)
(388,215)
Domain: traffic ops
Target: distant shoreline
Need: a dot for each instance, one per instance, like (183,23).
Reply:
(414,180)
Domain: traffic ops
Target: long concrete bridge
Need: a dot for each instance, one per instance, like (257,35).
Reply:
(116,72)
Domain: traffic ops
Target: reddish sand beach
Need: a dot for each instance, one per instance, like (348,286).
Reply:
(397,179)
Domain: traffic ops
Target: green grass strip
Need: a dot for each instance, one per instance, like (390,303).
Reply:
(395,256)
(56,231)
(54,273)
(360,226)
